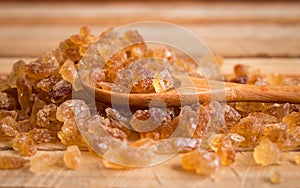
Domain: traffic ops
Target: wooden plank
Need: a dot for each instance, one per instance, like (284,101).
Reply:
(229,40)
(231,29)
(243,173)
(25,13)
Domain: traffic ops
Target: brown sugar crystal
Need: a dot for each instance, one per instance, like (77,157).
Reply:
(11,162)
(267,153)
(42,162)
(203,162)
(72,157)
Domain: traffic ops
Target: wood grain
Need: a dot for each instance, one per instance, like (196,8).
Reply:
(229,40)
(230,29)
(243,173)
(35,13)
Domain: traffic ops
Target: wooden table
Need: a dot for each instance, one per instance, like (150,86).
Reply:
(265,35)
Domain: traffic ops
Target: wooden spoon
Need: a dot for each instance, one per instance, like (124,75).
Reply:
(203,90)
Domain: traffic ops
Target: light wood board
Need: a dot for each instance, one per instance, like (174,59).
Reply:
(265,35)
(230,29)
(243,173)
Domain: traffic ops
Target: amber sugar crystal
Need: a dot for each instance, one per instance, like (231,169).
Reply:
(24,144)
(297,159)
(72,157)
(43,162)
(267,153)
(202,162)
(11,162)
(275,178)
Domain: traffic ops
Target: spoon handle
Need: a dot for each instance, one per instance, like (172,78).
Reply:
(244,92)
(267,93)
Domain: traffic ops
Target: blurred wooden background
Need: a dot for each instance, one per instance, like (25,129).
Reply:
(231,29)
(265,34)
(242,29)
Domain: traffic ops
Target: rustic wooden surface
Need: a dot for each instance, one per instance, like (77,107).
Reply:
(265,35)
(243,173)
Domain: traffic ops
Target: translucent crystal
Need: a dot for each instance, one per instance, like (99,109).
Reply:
(115,115)
(111,87)
(226,150)
(118,121)
(292,119)
(69,73)
(275,79)
(133,37)
(210,119)
(42,162)
(241,70)
(203,162)
(164,131)
(164,53)
(37,105)
(47,83)
(71,109)
(11,162)
(78,39)
(252,127)
(106,126)
(136,77)
(203,123)
(138,51)
(148,120)
(163,81)
(28,148)
(3,83)
(232,117)
(46,115)
(110,165)
(297,159)
(5,113)
(279,133)
(24,144)
(249,106)
(295,107)
(70,49)
(96,75)
(72,157)
(7,102)
(267,153)
(131,156)
(17,72)
(278,110)
(69,134)
(85,31)
(275,178)
(42,135)
(61,91)
(144,142)
(8,125)
(115,64)
(24,126)
(39,70)
(24,94)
